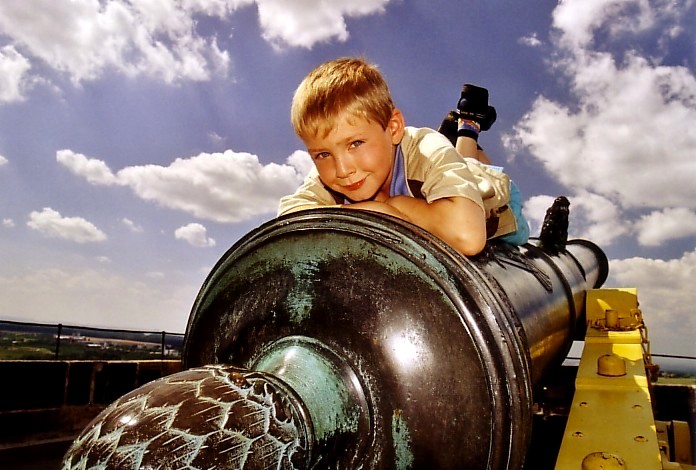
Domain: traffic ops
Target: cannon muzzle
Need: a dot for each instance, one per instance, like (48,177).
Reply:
(346,339)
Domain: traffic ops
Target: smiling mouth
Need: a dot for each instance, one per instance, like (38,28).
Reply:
(355,186)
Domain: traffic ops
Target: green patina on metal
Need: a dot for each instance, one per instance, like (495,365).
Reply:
(320,382)
(402,441)
(304,255)
(301,297)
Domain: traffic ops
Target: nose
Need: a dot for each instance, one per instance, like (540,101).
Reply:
(345,166)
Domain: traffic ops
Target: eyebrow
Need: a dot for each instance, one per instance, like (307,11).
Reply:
(349,139)
(357,134)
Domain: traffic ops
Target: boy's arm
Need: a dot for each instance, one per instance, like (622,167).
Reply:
(375,206)
(458,221)
(310,195)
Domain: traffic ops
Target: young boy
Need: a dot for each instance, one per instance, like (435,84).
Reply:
(366,158)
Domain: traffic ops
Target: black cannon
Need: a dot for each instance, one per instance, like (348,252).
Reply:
(346,339)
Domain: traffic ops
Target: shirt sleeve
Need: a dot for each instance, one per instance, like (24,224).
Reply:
(311,195)
(430,158)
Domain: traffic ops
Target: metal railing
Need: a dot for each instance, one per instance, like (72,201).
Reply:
(31,341)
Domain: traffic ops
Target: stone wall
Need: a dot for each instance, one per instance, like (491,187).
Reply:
(43,401)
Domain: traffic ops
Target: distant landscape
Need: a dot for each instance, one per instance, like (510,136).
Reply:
(677,368)
(25,341)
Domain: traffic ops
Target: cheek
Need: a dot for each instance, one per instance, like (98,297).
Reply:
(325,168)
(380,158)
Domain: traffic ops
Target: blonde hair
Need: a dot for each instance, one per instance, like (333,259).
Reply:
(341,85)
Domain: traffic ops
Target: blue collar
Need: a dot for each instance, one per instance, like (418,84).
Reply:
(399,182)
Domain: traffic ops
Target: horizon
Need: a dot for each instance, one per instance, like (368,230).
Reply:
(685,365)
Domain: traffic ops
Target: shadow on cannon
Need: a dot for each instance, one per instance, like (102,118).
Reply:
(347,339)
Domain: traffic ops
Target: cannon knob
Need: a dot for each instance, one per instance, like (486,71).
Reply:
(207,417)
(300,397)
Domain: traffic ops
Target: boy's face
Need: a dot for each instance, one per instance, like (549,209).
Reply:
(356,157)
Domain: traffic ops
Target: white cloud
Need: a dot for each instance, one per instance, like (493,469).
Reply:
(13,74)
(666,296)
(223,187)
(596,218)
(3,160)
(158,39)
(592,217)
(215,138)
(96,297)
(195,235)
(669,224)
(9,223)
(132,225)
(535,210)
(51,224)
(84,37)
(94,171)
(627,140)
(301,161)
(579,19)
(632,124)
(531,40)
(307,22)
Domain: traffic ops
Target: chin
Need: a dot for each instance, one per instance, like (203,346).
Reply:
(363,196)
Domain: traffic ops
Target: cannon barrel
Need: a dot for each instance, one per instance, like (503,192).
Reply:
(346,339)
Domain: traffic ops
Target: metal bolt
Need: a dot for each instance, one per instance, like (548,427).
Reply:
(602,461)
(611,365)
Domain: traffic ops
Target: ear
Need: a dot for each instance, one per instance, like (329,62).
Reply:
(395,126)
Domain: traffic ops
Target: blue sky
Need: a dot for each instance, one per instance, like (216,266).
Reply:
(140,139)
